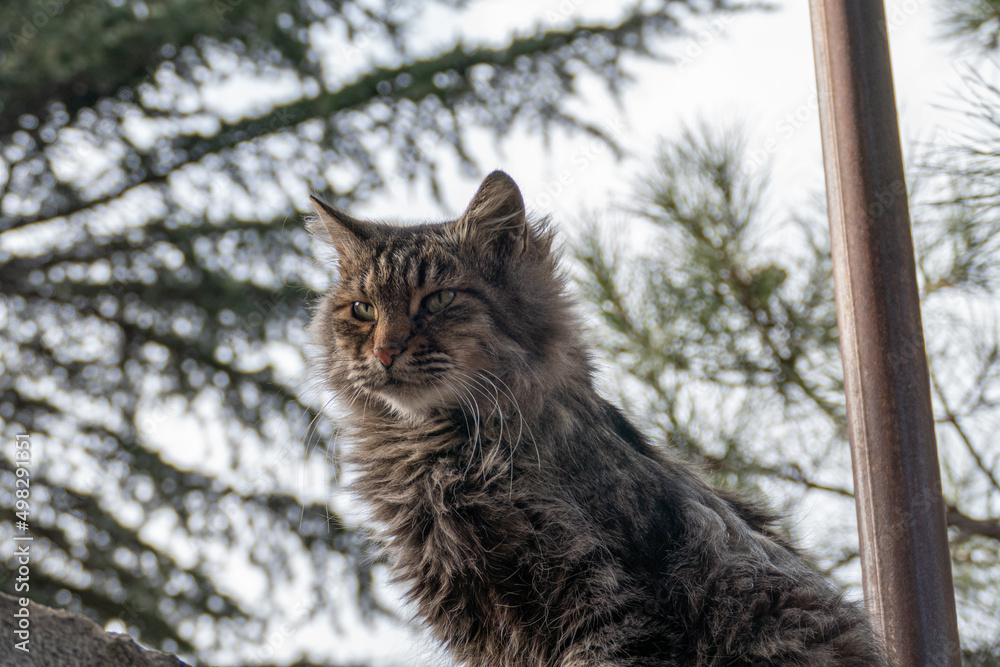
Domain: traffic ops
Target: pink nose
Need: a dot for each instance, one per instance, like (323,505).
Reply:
(387,354)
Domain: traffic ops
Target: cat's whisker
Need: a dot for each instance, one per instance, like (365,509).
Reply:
(462,404)
(310,376)
(477,441)
(513,402)
(513,445)
(472,382)
(494,398)
(313,423)
(469,398)
(319,413)
(523,422)
(492,391)
(355,396)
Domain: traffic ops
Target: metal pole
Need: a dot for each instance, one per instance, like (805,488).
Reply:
(904,544)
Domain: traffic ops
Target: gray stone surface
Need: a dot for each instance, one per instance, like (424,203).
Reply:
(62,639)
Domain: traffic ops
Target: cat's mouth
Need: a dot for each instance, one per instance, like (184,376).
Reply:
(410,392)
(398,384)
(411,399)
(405,375)
(401,378)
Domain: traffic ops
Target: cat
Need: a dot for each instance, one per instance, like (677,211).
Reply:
(533,524)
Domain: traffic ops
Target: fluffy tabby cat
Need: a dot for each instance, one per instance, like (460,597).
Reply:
(534,525)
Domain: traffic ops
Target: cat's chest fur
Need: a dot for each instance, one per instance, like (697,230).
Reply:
(499,544)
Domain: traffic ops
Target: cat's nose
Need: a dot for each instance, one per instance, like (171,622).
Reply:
(387,354)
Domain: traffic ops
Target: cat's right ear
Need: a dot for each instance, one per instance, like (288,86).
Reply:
(495,217)
(336,227)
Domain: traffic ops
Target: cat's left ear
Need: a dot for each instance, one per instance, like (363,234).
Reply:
(496,216)
(344,232)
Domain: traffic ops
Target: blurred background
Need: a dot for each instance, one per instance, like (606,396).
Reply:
(155,163)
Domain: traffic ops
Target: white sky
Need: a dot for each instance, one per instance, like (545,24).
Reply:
(757,71)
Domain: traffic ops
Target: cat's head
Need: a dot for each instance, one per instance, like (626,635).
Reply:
(424,316)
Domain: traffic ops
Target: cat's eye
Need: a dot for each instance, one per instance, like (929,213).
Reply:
(439,300)
(363,311)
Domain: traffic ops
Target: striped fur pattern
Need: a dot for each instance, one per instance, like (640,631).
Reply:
(532,523)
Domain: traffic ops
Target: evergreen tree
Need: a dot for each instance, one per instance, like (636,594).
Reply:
(154,161)
(972,22)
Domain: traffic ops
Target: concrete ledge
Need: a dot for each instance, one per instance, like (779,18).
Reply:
(62,639)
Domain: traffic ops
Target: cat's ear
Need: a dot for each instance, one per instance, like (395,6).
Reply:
(495,216)
(344,232)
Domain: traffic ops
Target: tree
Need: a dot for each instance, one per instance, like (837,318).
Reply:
(724,332)
(153,159)
(971,21)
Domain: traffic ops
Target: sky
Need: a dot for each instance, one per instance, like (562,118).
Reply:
(751,70)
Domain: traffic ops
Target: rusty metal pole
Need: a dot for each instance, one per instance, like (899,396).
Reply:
(904,545)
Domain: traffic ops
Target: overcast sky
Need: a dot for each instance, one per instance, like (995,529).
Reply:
(755,70)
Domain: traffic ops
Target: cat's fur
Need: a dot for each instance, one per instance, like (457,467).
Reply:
(534,525)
